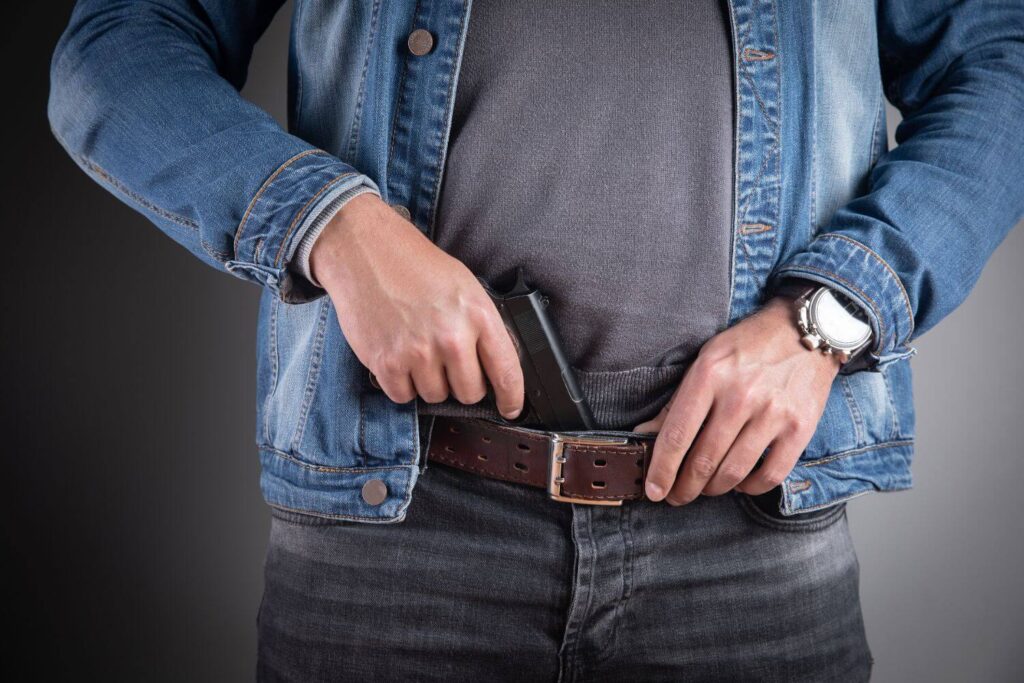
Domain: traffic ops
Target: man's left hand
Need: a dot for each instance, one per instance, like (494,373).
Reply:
(752,386)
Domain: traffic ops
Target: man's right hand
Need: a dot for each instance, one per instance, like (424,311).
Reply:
(414,315)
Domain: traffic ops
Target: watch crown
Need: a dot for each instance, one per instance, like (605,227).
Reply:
(810,341)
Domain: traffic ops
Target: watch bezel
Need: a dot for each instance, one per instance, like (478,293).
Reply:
(812,303)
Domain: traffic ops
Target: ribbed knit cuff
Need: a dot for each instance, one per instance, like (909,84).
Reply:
(300,264)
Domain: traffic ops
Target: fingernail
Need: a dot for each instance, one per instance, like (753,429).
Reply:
(654,491)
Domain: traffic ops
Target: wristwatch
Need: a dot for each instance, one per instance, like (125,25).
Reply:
(827,319)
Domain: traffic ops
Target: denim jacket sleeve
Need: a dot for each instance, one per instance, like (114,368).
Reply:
(912,247)
(144,95)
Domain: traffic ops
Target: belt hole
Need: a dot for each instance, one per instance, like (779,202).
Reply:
(485,439)
(523,447)
(598,484)
(520,466)
(454,430)
(639,462)
(638,481)
(481,456)
(449,449)
(600,462)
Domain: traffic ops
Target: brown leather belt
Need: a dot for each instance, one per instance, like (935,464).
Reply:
(592,469)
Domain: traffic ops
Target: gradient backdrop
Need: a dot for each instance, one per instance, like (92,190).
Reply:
(133,529)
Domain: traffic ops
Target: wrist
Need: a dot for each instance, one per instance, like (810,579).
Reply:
(328,254)
(783,309)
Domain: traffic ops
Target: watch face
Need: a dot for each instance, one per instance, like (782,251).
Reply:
(838,320)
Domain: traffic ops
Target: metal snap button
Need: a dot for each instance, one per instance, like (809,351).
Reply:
(375,492)
(402,211)
(420,41)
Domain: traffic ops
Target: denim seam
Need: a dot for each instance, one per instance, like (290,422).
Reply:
(95,168)
(577,665)
(626,534)
(814,153)
(855,412)
(138,199)
(301,212)
(735,218)
(896,428)
(856,451)
(361,438)
(442,149)
(399,103)
(312,376)
(873,151)
(298,38)
(275,363)
(357,116)
(263,188)
(324,515)
(326,469)
(884,263)
(767,153)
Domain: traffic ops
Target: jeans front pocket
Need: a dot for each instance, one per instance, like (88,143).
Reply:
(764,510)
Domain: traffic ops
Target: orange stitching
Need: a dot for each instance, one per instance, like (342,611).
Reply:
(754,55)
(906,299)
(754,228)
(291,228)
(462,465)
(266,184)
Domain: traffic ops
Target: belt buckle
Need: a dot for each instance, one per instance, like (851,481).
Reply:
(556,459)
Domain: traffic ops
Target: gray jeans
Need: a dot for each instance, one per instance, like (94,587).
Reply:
(492,581)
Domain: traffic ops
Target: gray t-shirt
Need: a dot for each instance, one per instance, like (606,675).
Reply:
(592,144)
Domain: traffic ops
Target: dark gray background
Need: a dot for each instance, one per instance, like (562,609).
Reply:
(133,529)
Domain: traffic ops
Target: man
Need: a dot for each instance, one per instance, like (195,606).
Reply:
(736,264)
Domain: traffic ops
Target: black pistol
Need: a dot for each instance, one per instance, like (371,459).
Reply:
(552,395)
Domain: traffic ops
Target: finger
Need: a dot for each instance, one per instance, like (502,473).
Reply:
(684,419)
(777,464)
(702,460)
(462,368)
(501,364)
(741,458)
(430,382)
(396,386)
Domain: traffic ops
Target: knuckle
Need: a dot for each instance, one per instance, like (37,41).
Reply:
(508,377)
(703,466)
(418,352)
(731,474)
(451,343)
(675,437)
(745,395)
(387,366)
(796,424)
(482,312)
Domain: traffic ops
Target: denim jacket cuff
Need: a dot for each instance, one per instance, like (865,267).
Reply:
(860,273)
(285,207)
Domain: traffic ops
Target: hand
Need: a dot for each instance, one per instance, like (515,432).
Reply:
(751,386)
(412,314)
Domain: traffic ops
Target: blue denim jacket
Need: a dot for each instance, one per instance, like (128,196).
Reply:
(144,96)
